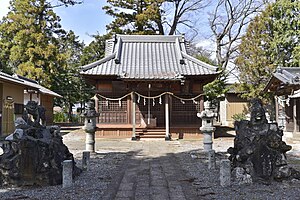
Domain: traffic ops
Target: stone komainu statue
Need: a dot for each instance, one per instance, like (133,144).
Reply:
(37,112)
(258,147)
(33,154)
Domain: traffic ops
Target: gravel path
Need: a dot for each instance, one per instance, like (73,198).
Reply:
(154,169)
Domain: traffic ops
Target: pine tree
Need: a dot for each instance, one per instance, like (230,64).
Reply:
(134,16)
(95,50)
(152,16)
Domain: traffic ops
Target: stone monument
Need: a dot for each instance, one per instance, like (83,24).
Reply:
(259,152)
(207,128)
(34,153)
(90,126)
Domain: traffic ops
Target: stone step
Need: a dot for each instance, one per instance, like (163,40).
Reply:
(151,133)
(152,136)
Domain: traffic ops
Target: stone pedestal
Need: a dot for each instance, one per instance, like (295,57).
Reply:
(207,140)
(225,173)
(207,127)
(67,173)
(85,160)
(90,142)
(211,159)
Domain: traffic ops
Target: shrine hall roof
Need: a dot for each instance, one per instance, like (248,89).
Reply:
(153,57)
(288,75)
(284,80)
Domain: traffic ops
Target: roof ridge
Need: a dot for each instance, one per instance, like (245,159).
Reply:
(150,38)
(94,64)
(208,66)
(11,77)
(25,78)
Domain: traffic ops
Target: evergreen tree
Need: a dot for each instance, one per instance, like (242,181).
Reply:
(28,37)
(69,83)
(95,50)
(134,16)
(285,25)
(34,45)
(270,42)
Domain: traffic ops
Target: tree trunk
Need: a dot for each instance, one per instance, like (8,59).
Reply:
(70,112)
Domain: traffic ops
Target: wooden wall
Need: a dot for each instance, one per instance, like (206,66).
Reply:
(234,105)
(11,94)
(47,102)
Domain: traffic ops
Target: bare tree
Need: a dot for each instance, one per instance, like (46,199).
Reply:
(181,13)
(153,16)
(228,22)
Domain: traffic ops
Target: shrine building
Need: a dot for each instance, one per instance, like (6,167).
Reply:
(148,86)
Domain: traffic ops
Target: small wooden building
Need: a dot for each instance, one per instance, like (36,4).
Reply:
(41,95)
(232,105)
(13,92)
(285,84)
(147,85)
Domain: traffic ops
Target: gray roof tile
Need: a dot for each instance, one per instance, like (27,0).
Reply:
(34,84)
(288,75)
(17,79)
(149,57)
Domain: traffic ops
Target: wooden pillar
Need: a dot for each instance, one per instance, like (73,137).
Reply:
(276,109)
(129,105)
(133,116)
(97,107)
(295,116)
(167,137)
(201,103)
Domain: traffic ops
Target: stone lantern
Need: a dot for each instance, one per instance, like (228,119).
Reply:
(207,127)
(90,126)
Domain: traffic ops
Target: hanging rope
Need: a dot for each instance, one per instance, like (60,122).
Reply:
(153,97)
(114,99)
(149,97)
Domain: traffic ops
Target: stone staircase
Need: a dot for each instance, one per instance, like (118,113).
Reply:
(153,133)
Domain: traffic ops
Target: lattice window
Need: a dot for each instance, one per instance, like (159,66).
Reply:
(178,105)
(105,105)
(185,112)
(113,112)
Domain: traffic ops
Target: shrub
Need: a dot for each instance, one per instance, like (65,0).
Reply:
(60,117)
(239,117)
